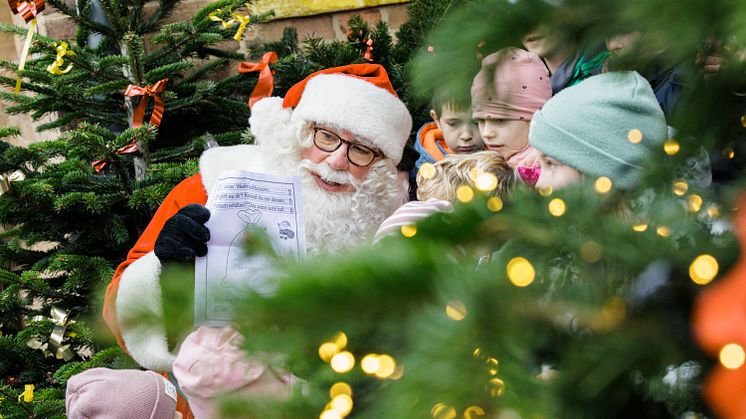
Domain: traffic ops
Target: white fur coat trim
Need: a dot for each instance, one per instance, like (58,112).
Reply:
(237,157)
(140,294)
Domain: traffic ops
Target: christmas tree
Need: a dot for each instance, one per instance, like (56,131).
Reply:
(584,307)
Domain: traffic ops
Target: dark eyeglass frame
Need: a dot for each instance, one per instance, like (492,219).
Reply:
(350,145)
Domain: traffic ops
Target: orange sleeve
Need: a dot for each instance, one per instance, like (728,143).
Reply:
(189,191)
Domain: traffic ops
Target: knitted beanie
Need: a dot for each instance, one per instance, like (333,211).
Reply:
(107,393)
(604,126)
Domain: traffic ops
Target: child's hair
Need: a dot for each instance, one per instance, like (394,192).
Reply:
(456,170)
(454,102)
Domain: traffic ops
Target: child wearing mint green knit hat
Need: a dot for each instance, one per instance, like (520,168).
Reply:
(604,126)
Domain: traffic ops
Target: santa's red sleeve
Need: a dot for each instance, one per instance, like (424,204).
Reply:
(141,263)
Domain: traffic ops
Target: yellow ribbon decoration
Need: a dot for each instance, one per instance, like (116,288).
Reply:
(215,18)
(243,21)
(24,53)
(54,68)
(7,179)
(28,394)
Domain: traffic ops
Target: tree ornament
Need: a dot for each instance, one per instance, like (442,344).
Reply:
(28,11)
(147,91)
(719,323)
(7,179)
(243,21)
(28,394)
(266,82)
(62,51)
(215,17)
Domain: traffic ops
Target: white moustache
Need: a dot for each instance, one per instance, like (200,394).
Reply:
(325,172)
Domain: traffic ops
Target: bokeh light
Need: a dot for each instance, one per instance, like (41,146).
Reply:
(732,356)
(603,184)
(486,182)
(464,193)
(427,170)
(680,187)
(557,207)
(408,230)
(456,310)
(520,272)
(634,136)
(703,269)
(671,146)
(495,204)
(340,388)
(342,362)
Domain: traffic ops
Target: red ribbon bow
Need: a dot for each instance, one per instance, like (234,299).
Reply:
(266,82)
(27,9)
(130,148)
(152,91)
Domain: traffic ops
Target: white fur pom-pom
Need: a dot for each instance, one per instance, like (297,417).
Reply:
(269,119)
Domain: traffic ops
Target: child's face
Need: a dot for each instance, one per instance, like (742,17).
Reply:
(459,131)
(505,136)
(556,174)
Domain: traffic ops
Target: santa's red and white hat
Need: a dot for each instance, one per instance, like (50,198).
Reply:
(358,98)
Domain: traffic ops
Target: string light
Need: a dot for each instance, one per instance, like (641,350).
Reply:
(327,350)
(472,412)
(370,364)
(732,356)
(729,153)
(443,411)
(408,230)
(591,251)
(495,204)
(680,187)
(703,269)
(640,227)
(663,231)
(477,353)
(456,310)
(342,403)
(340,388)
(545,190)
(427,170)
(493,364)
(386,366)
(464,193)
(671,146)
(496,387)
(330,414)
(342,362)
(340,339)
(486,182)
(520,272)
(634,136)
(743,121)
(603,185)
(713,211)
(557,207)
(398,373)
(694,203)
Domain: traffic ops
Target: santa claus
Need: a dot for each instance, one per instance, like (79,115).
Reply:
(342,130)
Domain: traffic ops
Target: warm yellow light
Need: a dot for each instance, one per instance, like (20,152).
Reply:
(556,207)
(398,373)
(443,411)
(729,153)
(545,190)
(743,121)
(486,182)
(495,204)
(408,230)
(427,170)
(342,403)
(680,187)
(703,269)
(732,356)
(477,353)
(493,364)
(694,203)
(713,211)
(603,184)
(330,414)
(474,173)
(340,388)
(520,272)
(634,136)
(386,366)
(496,387)
(343,362)
(340,339)
(591,251)
(464,193)
(640,227)
(671,147)
(370,363)
(663,231)
(456,310)
(327,350)
(472,412)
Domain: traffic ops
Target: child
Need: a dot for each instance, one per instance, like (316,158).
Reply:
(451,132)
(511,85)
(593,128)
(435,191)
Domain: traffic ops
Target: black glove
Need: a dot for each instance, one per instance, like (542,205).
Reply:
(184,235)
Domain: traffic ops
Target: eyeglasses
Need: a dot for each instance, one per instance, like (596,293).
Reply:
(357,154)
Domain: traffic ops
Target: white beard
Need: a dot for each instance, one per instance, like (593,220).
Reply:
(337,220)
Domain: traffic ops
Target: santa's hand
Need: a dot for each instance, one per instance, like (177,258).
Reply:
(184,235)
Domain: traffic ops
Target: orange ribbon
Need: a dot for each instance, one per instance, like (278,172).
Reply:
(368,54)
(266,82)
(130,148)
(152,91)
(27,9)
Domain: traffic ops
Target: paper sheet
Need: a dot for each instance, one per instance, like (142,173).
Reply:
(243,203)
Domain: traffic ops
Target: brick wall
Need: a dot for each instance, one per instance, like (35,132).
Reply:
(56,25)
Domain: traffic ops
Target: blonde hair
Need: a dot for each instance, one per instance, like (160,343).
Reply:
(462,169)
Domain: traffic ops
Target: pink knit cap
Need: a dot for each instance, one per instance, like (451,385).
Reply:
(107,393)
(512,84)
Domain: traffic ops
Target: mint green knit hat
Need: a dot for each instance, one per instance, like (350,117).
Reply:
(591,126)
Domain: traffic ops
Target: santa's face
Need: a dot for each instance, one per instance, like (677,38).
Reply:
(338,160)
